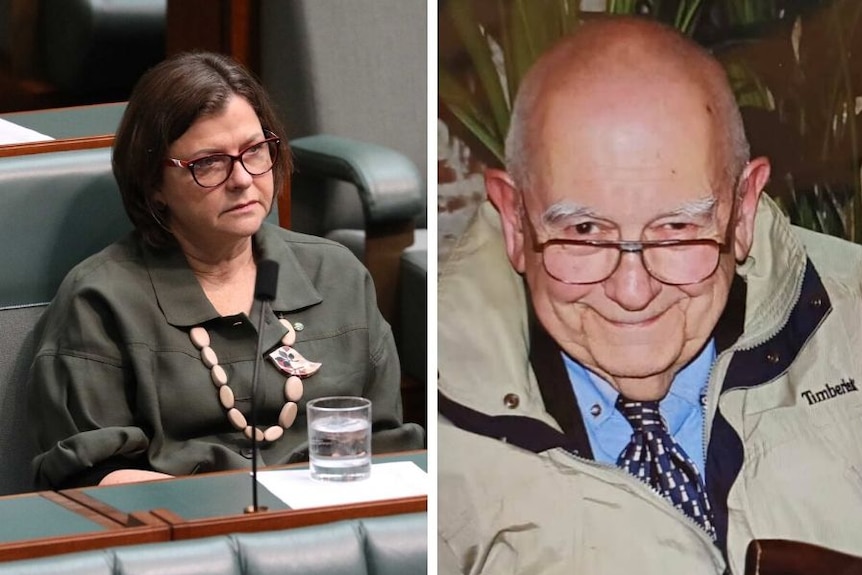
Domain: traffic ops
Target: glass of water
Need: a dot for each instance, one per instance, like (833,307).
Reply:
(339,438)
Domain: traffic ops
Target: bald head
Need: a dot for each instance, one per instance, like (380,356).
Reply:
(624,64)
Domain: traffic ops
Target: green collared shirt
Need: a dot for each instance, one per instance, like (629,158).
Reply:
(116,381)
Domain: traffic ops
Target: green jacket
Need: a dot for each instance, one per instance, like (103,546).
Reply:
(116,381)
(783,431)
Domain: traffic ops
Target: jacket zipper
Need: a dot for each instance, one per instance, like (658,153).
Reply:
(749,345)
(711,383)
(746,346)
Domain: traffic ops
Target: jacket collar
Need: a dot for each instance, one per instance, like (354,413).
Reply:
(773,272)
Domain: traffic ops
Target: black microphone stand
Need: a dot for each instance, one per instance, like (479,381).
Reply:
(265,284)
(253,416)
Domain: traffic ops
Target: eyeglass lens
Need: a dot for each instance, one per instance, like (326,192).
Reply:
(674,264)
(215,170)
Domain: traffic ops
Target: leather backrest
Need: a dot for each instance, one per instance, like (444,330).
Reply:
(397,544)
(392,545)
(55,210)
(17,447)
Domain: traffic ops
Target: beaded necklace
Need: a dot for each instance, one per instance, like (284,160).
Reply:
(293,387)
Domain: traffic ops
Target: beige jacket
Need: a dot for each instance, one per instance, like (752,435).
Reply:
(784,424)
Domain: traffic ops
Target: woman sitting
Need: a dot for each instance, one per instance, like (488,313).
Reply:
(145,356)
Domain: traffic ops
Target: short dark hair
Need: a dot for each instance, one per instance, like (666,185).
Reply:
(164,104)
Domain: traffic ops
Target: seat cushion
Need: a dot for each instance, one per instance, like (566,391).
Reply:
(210,556)
(16,442)
(391,545)
(333,549)
(397,545)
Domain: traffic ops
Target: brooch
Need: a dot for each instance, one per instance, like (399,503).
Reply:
(290,361)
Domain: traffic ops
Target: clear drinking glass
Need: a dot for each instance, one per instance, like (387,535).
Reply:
(339,438)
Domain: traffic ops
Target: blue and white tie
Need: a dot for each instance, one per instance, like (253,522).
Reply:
(653,456)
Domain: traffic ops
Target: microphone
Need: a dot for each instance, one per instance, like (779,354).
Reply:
(265,285)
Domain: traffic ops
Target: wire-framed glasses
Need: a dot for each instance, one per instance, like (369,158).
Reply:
(214,170)
(670,261)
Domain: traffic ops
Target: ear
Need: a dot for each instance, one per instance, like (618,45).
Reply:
(752,182)
(504,195)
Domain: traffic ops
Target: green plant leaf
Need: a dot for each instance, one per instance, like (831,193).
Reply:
(688,12)
(467,109)
(476,44)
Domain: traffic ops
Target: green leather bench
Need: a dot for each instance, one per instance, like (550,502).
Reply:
(392,545)
(55,210)
(58,208)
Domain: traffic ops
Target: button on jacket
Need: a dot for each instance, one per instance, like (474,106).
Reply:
(116,381)
(519,491)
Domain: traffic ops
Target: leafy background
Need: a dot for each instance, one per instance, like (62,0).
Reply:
(793,66)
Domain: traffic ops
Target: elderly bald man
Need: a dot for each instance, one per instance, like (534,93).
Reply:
(642,365)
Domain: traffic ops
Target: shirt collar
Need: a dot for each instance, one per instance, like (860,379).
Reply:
(183,301)
(688,384)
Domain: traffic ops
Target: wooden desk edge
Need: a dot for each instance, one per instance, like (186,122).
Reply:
(286,518)
(33,548)
(79,497)
(63,145)
(182,528)
(108,521)
(142,528)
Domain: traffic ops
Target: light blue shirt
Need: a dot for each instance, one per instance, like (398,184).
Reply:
(682,408)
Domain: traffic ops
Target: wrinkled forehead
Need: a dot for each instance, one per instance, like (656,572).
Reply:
(626,147)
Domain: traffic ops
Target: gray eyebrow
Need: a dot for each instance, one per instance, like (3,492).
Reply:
(567,209)
(695,208)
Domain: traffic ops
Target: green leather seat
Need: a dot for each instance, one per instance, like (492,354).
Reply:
(392,545)
(55,210)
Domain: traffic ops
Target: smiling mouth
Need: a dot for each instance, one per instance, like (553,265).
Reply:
(635,324)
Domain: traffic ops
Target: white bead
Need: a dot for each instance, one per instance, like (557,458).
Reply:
(290,337)
(258,433)
(237,419)
(225,396)
(199,336)
(209,357)
(293,388)
(287,415)
(218,375)
(273,433)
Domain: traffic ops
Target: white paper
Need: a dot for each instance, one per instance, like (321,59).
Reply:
(394,480)
(11,133)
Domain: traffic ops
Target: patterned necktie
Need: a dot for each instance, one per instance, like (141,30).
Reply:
(655,458)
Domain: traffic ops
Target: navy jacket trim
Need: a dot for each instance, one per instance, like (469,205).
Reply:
(524,432)
(559,398)
(752,367)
